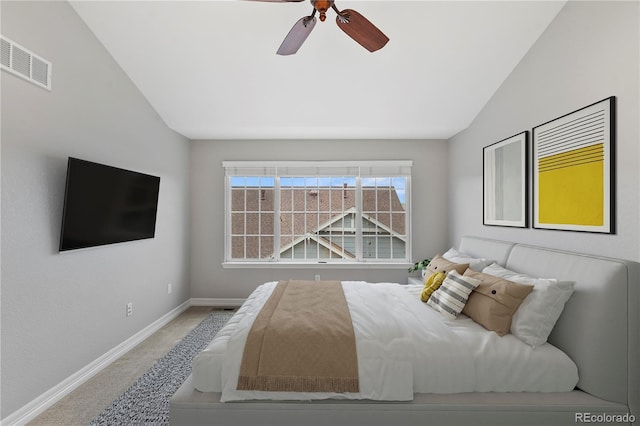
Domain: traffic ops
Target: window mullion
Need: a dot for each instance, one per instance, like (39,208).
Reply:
(276,219)
(306,241)
(376,237)
(318,214)
(344,216)
(244,216)
(259,220)
(391,254)
(358,219)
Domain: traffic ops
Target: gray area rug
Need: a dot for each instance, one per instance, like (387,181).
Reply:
(146,402)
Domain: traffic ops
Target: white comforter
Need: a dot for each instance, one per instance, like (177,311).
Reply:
(404,347)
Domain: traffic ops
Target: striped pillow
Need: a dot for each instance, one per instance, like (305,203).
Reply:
(453,294)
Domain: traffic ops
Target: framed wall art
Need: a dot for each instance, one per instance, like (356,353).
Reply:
(505,182)
(573,170)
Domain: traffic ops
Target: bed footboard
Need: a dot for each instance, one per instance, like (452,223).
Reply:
(189,407)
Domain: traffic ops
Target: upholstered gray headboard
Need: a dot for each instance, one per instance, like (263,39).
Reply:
(600,325)
(489,249)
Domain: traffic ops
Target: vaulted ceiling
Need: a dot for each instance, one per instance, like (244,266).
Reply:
(210,70)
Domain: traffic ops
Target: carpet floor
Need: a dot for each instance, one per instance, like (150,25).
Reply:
(135,389)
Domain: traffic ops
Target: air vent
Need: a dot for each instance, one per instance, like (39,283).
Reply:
(21,62)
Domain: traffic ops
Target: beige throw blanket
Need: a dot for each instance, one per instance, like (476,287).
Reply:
(302,341)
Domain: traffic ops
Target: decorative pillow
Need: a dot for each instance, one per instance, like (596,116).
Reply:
(539,312)
(493,303)
(449,299)
(475,263)
(440,264)
(432,284)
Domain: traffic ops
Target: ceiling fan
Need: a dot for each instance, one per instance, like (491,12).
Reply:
(351,22)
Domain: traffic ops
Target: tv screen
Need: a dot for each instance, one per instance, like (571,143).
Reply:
(106,205)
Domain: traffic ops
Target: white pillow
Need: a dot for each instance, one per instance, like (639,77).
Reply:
(476,264)
(449,299)
(537,315)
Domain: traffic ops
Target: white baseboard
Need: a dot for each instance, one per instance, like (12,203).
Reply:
(31,410)
(217,302)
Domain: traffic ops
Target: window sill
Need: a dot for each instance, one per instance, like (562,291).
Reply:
(300,265)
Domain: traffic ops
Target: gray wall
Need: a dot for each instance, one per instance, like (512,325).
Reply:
(62,311)
(588,53)
(210,280)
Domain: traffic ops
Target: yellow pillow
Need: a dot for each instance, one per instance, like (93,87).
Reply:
(431,284)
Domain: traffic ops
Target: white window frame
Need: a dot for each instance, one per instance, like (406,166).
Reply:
(357,169)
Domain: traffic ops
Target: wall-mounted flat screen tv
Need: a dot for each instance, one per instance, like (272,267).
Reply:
(106,205)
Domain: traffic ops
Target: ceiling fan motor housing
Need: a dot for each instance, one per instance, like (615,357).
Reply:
(322,6)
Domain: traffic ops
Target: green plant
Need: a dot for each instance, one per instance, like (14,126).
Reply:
(422,264)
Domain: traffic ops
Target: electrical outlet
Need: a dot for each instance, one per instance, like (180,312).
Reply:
(318,277)
(169,289)
(129,308)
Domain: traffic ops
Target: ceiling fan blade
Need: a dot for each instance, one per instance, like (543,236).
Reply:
(362,31)
(297,36)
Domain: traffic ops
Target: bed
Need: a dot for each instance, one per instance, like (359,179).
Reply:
(596,335)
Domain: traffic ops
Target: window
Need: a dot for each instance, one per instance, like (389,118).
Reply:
(310,212)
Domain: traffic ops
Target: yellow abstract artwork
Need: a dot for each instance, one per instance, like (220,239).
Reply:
(571,187)
(573,170)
